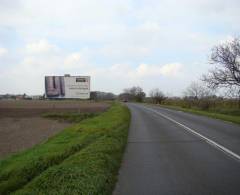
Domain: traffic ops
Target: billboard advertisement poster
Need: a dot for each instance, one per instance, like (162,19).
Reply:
(67,87)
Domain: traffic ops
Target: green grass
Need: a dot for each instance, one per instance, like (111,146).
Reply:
(231,112)
(225,115)
(83,159)
(72,117)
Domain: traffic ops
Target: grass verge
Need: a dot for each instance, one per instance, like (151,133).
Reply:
(83,159)
(224,117)
(73,117)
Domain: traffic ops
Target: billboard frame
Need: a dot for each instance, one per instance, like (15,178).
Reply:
(61,87)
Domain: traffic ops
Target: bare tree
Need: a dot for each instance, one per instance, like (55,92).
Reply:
(135,93)
(157,95)
(199,95)
(226,72)
(197,91)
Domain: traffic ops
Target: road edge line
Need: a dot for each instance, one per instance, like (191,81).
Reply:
(209,141)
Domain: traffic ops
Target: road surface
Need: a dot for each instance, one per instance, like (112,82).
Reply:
(172,152)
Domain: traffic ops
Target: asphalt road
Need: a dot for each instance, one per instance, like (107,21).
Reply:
(172,152)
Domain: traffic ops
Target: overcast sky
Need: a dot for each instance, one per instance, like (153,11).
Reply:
(148,43)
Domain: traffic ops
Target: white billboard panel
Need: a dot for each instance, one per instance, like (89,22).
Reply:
(67,87)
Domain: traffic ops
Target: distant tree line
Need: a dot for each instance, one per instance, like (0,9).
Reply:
(99,95)
(225,76)
(132,94)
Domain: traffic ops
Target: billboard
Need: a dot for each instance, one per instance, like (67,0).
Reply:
(67,87)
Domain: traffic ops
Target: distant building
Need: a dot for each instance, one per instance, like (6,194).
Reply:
(19,97)
(37,97)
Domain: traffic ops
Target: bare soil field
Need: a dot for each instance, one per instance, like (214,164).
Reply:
(17,134)
(21,124)
(32,108)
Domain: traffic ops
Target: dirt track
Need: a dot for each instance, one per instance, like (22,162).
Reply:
(21,124)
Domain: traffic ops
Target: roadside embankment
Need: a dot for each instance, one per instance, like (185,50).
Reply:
(82,159)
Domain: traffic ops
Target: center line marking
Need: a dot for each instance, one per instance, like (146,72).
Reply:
(209,141)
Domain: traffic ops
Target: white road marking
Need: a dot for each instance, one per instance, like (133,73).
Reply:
(209,141)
